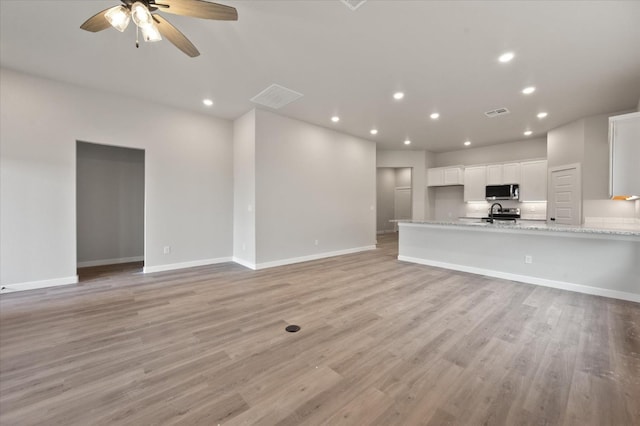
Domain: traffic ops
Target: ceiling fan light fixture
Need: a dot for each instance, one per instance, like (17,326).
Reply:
(140,14)
(118,17)
(150,32)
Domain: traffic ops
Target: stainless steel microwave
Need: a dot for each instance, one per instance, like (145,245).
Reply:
(502,192)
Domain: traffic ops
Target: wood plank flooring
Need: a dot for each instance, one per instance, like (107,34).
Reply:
(382,343)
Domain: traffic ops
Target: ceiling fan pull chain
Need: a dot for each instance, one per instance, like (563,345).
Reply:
(137,41)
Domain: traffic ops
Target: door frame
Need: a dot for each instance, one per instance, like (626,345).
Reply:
(550,198)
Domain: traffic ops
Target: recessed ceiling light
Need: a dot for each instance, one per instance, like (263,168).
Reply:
(434,116)
(374,132)
(207,102)
(407,142)
(542,114)
(467,143)
(335,118)
(506,57)
(398,95)
(528,90)
(528,133)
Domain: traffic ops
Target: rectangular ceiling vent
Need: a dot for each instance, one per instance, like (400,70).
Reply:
(497,112)
(353,4)
(276,96)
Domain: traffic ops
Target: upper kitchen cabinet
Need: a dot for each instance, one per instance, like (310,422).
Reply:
(511,173)
(503,174)
(475,181)
(624,156)
(445,176)
(533,181)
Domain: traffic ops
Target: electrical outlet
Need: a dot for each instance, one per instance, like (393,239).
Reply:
(167,249)
(528,259)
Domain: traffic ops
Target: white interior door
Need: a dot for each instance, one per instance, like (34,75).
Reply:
(565,195)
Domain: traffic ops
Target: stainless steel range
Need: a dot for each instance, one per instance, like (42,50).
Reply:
(498,213)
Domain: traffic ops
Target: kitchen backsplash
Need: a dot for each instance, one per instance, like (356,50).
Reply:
(531,211)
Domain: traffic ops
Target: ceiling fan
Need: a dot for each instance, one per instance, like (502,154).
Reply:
(154,26)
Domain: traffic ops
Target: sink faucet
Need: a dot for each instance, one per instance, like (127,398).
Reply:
(491,211)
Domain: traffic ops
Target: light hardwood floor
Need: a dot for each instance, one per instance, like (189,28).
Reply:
(382,343)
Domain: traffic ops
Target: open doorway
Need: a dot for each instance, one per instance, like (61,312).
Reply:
(109,210)
(394,194)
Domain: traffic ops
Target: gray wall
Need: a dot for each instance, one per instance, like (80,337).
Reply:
(110,204)
(595,175)
(385,197)
(312,183)
(244,189)
(513,151)
(449,203)
(188,176)
(403,177)
(565,145)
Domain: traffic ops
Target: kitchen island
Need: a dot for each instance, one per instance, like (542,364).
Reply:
(599,261)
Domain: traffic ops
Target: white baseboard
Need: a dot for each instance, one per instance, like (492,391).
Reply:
(32,285)
(292,260)
(244,263)
(387,231)
(182,265)
(110,261)
(562,285)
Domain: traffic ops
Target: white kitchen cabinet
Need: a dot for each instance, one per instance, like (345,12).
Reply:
(533,180)
(445,176)
(503,174)
(624,156)
(511,173)
(494,174)
(475,180)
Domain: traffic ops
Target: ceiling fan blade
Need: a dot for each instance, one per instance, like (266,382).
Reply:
(97,22)
(174,35)
(198,9)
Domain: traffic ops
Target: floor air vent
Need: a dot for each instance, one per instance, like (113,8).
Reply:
(497,112)
(276,96)
(353,4)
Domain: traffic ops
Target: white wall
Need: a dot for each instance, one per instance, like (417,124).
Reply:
(385,198)
(312,183)
(512,151)
(244,189)
(418,161)
(188,176)
(110,204)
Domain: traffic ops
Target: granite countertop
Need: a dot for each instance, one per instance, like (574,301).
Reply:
(525,225)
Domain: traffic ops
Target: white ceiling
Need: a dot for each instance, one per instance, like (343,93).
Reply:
(583,57)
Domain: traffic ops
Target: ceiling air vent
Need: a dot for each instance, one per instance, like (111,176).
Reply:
(276,96)
(353,4)
(497,112)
